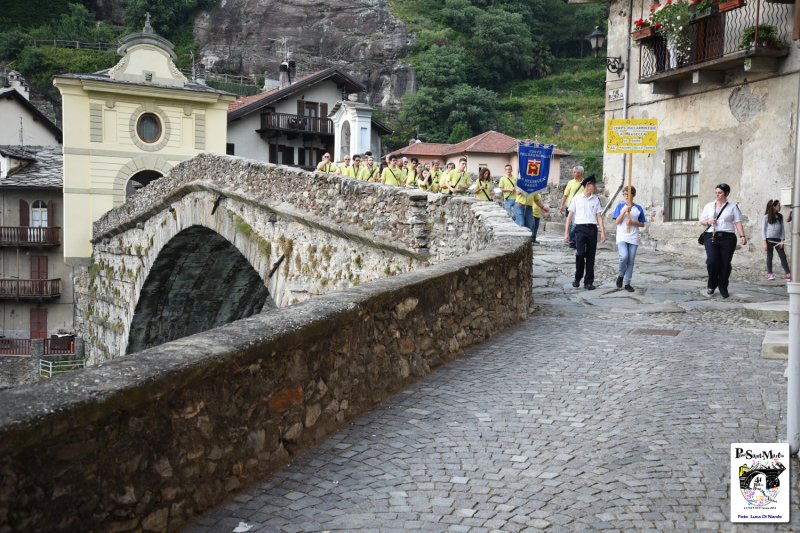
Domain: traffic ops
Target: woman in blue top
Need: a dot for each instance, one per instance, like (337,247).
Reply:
(772,231)
(627,236)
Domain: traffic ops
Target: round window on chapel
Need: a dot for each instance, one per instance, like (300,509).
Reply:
(148,128)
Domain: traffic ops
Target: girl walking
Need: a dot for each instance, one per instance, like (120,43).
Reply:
(773,234)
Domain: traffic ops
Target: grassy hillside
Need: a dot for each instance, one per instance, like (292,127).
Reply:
(566,108)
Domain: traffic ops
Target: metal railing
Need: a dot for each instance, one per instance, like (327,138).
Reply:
(241,79)
(716,35)
(15,346)
(48,366)
(30,288)
(285,121)
(55,43)
(29,236)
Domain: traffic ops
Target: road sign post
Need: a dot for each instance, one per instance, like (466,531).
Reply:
(630,136)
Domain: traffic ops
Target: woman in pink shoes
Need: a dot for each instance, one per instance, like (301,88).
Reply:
(773,234)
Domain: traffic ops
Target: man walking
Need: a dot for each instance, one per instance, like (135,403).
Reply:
(570,190)
(584,210)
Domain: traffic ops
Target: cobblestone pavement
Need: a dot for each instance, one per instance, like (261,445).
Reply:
(572,421)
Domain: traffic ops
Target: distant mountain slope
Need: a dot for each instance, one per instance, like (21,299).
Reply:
(359,36)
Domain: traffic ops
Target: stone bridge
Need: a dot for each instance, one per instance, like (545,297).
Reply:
(402,282)
(221,239)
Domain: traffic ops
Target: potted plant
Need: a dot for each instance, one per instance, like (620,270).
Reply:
(673,18)
(767,37)
(703,8)
(642,29)
(727,5)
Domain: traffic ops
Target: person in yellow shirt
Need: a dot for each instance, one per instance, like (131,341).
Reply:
(344,168)
(483,187)
(436,175)
(412,173)
(370,171)
(326,165)
(355,169)
(571,189)
(444,180)
(425,180)
(459,180)
(508,185)
(527,211)
(392,175)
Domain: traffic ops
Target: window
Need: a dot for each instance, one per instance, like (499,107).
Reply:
(148,127)
(230,149)
(39,214)
(684,184)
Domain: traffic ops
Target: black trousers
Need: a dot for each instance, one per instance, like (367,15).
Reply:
(585,250)
(719,254)
(771,245)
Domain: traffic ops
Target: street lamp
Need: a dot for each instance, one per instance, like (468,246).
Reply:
(613,64)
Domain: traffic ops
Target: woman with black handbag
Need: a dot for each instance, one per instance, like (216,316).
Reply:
(723,220)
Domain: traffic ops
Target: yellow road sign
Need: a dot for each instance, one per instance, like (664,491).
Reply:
(631,136)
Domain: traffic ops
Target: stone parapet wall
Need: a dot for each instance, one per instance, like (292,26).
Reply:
(146,442)
(15,370)
(391,213)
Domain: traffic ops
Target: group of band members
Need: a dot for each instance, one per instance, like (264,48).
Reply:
(405,172)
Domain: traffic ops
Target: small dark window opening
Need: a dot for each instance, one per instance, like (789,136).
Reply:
(148,128)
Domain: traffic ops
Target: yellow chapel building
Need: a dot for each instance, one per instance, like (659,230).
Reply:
(127,126)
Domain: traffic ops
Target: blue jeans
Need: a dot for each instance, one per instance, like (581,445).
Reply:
(509,206)
(523,216)
(627,254)
(571,226)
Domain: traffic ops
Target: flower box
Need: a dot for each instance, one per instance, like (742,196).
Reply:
(643,33)
(727,5)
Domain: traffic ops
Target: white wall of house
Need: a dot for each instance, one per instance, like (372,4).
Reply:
(15,119)
(743,126)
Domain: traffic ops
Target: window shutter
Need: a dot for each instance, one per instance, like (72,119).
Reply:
(24,213)
(273,154)
(301,107)
(51,211)
(323,111)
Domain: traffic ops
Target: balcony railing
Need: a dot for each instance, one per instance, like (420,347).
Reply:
(28,289)
(717,42)
(28,236)
(53,346)
(296,123)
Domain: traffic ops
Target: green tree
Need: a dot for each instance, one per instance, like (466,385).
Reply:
(12,43)
(459,15)
(502,43)
(441,66)
(167,15)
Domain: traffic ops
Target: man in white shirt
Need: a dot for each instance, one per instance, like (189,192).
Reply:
(585,209)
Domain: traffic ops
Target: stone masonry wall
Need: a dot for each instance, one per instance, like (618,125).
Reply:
(15,370)
(146,442)
(333,233)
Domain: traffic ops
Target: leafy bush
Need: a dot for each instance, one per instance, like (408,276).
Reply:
(39,65)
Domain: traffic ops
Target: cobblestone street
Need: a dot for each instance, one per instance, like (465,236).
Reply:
(605,410)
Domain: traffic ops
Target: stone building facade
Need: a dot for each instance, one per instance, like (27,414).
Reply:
(726,110)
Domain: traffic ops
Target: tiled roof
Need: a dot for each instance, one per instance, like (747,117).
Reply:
(488,142)
(103,76)
(248,104)
(44,171)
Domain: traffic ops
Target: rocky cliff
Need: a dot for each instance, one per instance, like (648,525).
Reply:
(359,36)
(247,37)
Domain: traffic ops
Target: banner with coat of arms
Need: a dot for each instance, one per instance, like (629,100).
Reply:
(534,165)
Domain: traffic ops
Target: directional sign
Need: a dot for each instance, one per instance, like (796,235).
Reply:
(631,136)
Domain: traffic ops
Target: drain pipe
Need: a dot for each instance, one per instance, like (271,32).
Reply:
(793,288)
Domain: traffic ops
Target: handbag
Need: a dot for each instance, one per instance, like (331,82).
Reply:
(701,240)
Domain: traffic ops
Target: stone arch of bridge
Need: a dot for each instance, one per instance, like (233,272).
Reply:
(198,281)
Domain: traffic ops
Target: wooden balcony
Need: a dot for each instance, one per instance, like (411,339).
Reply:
(29,236)
(53,346)
(284,122)
(717,46)
(29,289)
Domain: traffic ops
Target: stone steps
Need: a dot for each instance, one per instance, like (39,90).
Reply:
(775,345)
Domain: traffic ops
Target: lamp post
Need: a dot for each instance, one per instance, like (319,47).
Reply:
(613,64)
